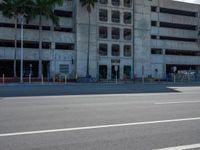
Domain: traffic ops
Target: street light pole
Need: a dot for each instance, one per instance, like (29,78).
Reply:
(21,51)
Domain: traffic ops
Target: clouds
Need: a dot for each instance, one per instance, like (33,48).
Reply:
(190,1)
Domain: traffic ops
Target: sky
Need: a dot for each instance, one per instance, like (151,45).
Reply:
(190,1)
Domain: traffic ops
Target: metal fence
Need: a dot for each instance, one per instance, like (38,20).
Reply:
(184,76)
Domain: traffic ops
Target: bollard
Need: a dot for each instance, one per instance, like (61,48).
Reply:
(29,79)
(116,79)
(54,80)
(3,79)
(174,78)
(65,79)
(76,76)
(142,79)
(42,79)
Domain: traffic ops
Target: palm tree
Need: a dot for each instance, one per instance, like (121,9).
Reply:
(13,9)
(89,4)
(44,8)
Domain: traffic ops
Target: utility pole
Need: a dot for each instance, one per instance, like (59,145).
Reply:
(22,50)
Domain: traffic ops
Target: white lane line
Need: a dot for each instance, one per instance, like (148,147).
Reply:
(180,102)
(97,127)
(186,147)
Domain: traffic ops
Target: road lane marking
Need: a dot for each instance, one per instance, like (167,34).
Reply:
(180,102)
(97,127)
(186,147)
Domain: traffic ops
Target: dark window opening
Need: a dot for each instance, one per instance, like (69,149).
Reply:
(127,18)
(63,29)
(28,44)
(178,12)
(177,26)
(156,51)
(116,16)
(65,46)
(115,2)
(115,33)
(46,28)
(153,37)
(127,3)
(153,8)
(127,50)
(7,25)
(182,52)
(154,23)
(115,50)
(103,49)
(33,27)
(177,39)
(62,13)
(103,32)
(103,1)
(103,15)
(127,34)
(7,43)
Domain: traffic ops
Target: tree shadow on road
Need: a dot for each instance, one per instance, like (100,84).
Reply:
(86,89)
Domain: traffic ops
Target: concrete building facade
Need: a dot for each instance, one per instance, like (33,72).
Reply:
(128,39)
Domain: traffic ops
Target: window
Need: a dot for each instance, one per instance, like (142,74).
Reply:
(115,2)
(65,46)
(127,17)
(177,39)
(103,32)
(60,29)
(7,43)
(103,1)
(116,16)
(153,8)
(153,23)
(178,12)
(64,68)
(127,50)
(115,50)
(182,52)
(8,25)
(127,34)
(127,3)
(28,44)
(103,15)
(115,33)
(46,28)
(103,49)
(156,51)
(62,13)
(153,37)
(177,26)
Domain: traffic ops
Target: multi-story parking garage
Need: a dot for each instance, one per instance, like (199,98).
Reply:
(128,38)
(58,44)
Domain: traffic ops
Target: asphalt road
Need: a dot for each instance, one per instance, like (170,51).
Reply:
(125,121)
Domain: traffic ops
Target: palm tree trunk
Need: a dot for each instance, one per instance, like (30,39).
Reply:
(40,48)
(88,52)
(15,51)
